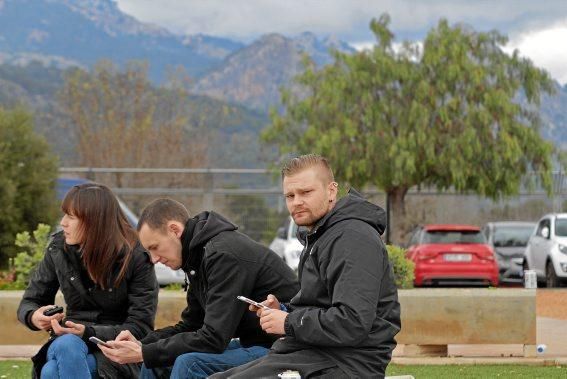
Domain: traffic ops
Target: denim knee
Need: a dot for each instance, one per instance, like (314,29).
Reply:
(49,370)
(67,345)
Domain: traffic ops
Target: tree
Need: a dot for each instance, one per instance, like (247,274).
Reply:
(121,120)
(444,116)
(28,171)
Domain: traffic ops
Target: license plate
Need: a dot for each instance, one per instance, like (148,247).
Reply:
(457,257)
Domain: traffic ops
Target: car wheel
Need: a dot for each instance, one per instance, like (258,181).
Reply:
(551,279)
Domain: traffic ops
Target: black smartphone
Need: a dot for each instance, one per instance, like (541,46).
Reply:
(53,310)
(98,341)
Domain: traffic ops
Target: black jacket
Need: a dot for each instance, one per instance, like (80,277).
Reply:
(131,306)
(221,263)
(347,308)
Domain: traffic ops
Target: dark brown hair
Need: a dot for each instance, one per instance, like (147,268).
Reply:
(107,239)
(160,211)
(298,164)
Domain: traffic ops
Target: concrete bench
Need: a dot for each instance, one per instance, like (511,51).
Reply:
(432,319)
(435,318)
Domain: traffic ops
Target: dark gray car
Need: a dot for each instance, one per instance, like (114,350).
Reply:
(509,240)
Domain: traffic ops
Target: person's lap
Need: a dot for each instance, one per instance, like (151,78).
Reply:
(202,365)
(308,363)
(67,356)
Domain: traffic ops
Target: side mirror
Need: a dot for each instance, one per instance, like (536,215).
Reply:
(545,232)
(281,233)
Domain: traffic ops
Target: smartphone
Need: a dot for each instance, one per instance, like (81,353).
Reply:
(250,301)
(53,310)
(98,341)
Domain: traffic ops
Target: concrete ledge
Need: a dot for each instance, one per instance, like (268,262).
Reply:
(430,317)
(468,316)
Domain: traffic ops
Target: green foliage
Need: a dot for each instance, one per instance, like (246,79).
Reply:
(173,287)
(403,267)
(28,171)
(33,252)
(253,217)
(442,116)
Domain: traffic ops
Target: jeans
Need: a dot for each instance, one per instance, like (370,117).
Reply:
(67,357)
(201,365)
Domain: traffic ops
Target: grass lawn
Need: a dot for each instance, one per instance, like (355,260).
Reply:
(15,369)
(480,371)
(22,369)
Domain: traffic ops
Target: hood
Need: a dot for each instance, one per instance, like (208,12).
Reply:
(510,251)
(198,231)
(351,207)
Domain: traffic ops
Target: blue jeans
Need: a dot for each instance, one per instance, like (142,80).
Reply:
(202,365)
(67,357)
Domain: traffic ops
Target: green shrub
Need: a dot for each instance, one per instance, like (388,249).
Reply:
(26,261)
(403,267)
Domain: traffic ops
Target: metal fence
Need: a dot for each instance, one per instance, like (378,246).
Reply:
(253,198)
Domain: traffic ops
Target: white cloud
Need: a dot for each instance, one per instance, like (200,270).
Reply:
(546,49)
(526,21)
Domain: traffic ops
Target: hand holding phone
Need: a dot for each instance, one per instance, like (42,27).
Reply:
(250,301)
(53,310)
(98,341)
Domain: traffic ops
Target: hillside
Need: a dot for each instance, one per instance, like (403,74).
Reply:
(253,75)
(84,31)
(232,129)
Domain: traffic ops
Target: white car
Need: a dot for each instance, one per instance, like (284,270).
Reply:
(286,244)
(546,252)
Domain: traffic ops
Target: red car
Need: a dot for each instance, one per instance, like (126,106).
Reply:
(452,254)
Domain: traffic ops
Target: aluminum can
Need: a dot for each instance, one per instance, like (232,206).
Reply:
(290,374)
(530,279)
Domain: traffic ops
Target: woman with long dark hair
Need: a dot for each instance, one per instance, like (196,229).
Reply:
(107,280)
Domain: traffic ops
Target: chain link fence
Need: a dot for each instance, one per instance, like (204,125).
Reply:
(252,198)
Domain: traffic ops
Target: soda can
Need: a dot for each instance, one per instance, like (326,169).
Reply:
(530,279)
(290,374)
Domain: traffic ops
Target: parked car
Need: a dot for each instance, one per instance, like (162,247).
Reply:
(164,274)
(546,252)
(452,255)
(509,239)
(286,244)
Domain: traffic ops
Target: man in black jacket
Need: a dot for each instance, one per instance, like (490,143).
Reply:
(222,264)
(343,320)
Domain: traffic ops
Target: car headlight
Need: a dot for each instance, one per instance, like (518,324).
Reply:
(562,248)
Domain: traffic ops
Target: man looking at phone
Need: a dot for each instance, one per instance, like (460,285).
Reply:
(342,322)
(221,264)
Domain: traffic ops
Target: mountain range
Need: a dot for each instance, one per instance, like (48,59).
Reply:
(64,33)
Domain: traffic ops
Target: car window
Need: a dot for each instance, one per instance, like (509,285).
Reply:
(414,238)
(542,224)
(561,227)
(453,236)
(511,236)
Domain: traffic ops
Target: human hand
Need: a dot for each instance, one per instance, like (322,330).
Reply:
(40,321)
(272,321)
(71,328)
(123,352)
(126,335)
(271,302)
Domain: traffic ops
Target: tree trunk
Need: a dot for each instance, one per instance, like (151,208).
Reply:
(396,198)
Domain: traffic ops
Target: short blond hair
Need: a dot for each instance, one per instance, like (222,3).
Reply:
(298,164)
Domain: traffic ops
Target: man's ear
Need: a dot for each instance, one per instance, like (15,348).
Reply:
(333,191)
(176,228)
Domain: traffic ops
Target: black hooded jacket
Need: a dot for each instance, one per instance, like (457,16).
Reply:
(221,264)
(105,313)
(347,308)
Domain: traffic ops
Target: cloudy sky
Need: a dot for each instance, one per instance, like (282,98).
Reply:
(538,29)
